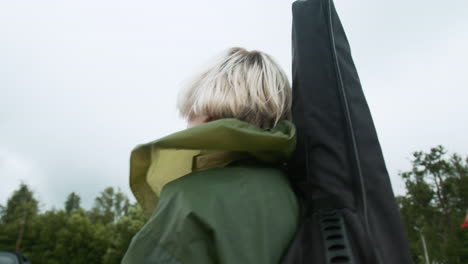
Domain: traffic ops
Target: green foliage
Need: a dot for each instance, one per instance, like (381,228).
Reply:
(109,206)
(73,203)
(73,234)
(123,231)
(17,217)
(79,238)
(435,206)
(2,213)
(21,204)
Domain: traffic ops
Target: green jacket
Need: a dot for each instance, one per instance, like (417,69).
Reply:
(215,195)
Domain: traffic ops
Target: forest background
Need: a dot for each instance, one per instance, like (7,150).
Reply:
(433,210)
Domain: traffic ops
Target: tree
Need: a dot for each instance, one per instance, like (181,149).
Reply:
(123,231)
(79,241)
(435,203)
(2,213)
(20,203)
(3,233)
(72,203)
(109,206)
(70,235)
(21,208)
(42,240)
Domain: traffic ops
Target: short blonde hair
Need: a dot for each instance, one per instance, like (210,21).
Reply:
(247,85)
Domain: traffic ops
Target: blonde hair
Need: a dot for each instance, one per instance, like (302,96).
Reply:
(247,85)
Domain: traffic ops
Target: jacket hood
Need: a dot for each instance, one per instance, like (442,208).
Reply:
(154,164)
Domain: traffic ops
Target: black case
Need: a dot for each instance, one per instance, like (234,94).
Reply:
(349,213)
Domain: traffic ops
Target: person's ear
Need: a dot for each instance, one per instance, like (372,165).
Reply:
(209,119)
(198,120)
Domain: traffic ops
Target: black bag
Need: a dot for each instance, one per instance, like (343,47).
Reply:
(349,211)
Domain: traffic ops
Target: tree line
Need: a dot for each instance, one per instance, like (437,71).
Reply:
(71,234)
(435,205)
(432,209)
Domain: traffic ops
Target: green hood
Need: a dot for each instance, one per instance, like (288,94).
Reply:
(156,163)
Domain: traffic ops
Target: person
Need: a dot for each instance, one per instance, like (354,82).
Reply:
(218,192)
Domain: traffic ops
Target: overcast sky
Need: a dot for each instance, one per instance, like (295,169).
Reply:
(83,82)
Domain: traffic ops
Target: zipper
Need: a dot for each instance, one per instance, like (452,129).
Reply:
(352,136)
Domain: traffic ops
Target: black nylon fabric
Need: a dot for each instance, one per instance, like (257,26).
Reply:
(338,163)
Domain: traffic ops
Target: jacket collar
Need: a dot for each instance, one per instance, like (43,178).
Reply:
(213,144)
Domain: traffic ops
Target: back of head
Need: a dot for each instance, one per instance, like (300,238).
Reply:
(247,85)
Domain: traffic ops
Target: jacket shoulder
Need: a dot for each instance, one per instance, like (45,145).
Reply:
(227,177)
(222,215)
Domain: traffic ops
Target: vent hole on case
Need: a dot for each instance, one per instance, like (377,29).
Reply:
(330,220)
(336,247)
(330,214)
(340,259)
(333,227)
(333,237)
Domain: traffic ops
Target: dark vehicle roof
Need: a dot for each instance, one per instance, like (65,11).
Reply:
(12,257)
(8,257)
